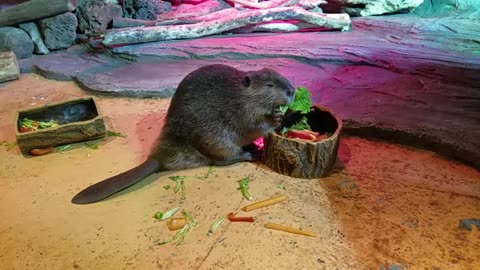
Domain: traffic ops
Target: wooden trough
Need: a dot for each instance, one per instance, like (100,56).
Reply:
(79,120)
(303,159)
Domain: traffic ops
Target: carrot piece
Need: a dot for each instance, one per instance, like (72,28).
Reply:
(233,218)
(264,203)
(174,224)
(41,151)
(279,227)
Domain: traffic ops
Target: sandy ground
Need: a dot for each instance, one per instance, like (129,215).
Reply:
(383,204)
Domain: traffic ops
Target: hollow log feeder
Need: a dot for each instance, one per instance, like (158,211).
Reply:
(303,159)
(91,127)
(35,9)
(223,24)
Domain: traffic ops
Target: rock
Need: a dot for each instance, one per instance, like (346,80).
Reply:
(32,29)
(370,7)
(458,8)
(9,69)
(59,32)
(144,9)
(96,15)
(16,40)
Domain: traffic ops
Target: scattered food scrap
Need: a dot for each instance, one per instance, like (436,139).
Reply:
(115,134)
(282,187)
(283,228)
(9,145)
(191,222)
(41,151)
(216,224)
(174,224)
(64,147)
(92,145)
(180,182)
(179,237)
(264,203)
(166,187)
(244,185)
(234,218)
(166,215)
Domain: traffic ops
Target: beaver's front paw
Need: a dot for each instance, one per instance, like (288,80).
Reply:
(277,116)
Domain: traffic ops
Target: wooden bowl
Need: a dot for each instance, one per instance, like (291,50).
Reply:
(303,159)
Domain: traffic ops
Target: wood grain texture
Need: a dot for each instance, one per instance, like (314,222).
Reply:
(302,159)
(35,9)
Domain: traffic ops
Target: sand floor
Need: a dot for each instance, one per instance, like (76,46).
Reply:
(383,205)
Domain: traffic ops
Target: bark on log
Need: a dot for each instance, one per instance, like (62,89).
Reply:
(276,27)
(35,9)
(9,69)
(303,159)
(121,22)
(222,24)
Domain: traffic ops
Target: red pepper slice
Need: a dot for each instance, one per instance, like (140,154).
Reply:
(233,218)
(301,134)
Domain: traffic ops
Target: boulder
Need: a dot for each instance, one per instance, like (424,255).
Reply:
(370,7)
(32,29)
(96,15)
(9,69)
(144,9)
(59,32)
(16,40)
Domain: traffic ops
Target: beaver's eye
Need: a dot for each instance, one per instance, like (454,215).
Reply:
(270,85)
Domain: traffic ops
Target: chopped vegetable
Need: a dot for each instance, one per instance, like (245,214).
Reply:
(301,102)
(203,177)
(163,216)
(216,224)
(180,182)
(180,235)
(302,124)
(174,224)
(244,185)
(191,222)
(233,218)
(264,203)
(9,145)
(184,190)
(41,151)
(279,227)
(305,135)
(64,147)
(27,125)
(166,187)
(115,134)
(282,187)
(92,145)
(161,243)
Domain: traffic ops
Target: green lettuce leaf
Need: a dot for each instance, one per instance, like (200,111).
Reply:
(301,102)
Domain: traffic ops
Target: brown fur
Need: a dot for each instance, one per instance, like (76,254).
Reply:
(216,112)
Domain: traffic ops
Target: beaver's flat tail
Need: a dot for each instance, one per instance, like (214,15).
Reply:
(114,184)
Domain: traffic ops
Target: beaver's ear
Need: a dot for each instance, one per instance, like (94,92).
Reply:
(246,81)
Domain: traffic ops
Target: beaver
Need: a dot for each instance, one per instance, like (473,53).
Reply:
(214,116)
